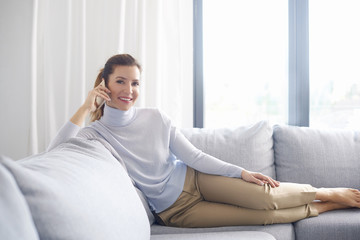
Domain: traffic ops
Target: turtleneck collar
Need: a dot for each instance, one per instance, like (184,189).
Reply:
(117,118)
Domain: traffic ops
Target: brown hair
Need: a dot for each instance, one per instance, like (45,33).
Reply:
(111,63)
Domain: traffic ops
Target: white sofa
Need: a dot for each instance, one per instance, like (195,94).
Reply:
(70,193)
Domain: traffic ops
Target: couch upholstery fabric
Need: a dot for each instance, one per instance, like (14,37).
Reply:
(14,210)
(279,231)
(244,235)
(322,158)
(250,147)
(334,225)
(80,191)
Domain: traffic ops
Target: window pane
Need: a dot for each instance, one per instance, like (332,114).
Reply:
(245,62)
(334,42)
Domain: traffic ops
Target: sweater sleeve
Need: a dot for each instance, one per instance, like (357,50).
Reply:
(68,130)
(195,158)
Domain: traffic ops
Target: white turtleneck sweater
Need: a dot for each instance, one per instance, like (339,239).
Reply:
(154,152)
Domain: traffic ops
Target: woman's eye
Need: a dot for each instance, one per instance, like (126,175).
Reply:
(120,81)
(136,84)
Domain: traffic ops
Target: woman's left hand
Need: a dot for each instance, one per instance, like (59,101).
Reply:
(258,178)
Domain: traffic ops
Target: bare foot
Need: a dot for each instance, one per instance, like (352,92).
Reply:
(344,196)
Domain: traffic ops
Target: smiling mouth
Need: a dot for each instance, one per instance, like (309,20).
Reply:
(125,99)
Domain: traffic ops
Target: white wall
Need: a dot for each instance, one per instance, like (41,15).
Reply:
(15,72)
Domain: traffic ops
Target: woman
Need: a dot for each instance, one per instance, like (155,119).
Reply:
(184,186)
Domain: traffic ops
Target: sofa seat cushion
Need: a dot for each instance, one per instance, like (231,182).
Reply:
(250,147)
(322,158)
(334,225)
(279,231)
(15,218)
(245,235)
(80,191)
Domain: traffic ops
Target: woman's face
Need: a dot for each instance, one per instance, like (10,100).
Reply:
(124,84)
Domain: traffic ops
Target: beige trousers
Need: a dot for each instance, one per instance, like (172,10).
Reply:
(214,201)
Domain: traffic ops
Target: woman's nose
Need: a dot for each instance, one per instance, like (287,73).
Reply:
(128,88)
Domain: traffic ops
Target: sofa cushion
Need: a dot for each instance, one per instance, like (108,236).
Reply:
(145,205)
(245,235)
(250,147)
(279,231)
(80,191)
(334,225)
(323,158)
(15,218)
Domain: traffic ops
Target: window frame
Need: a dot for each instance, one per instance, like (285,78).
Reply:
(198,86)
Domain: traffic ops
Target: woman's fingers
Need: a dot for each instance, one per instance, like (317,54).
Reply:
(103,88)
(259,179)
(267,179)
(103,92)
(99,91)
(103,95)
(263,178)
(275,183)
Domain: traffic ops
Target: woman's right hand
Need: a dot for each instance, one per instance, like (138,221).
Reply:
(90,104)
(99,91)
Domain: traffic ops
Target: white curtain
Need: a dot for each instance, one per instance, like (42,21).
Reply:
(72,39)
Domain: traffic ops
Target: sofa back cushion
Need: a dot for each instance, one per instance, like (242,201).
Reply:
(323,158)
(80,191)
(15,218)
(250,147)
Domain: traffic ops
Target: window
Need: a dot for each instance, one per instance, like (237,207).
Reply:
(245,61)
(286,61)
(334,57)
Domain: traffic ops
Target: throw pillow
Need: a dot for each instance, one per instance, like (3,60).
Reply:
(250,147)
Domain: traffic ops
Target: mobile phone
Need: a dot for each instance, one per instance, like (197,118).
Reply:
(99,100)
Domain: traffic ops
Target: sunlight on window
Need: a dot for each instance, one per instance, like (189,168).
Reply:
(334,39)
(245,62)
